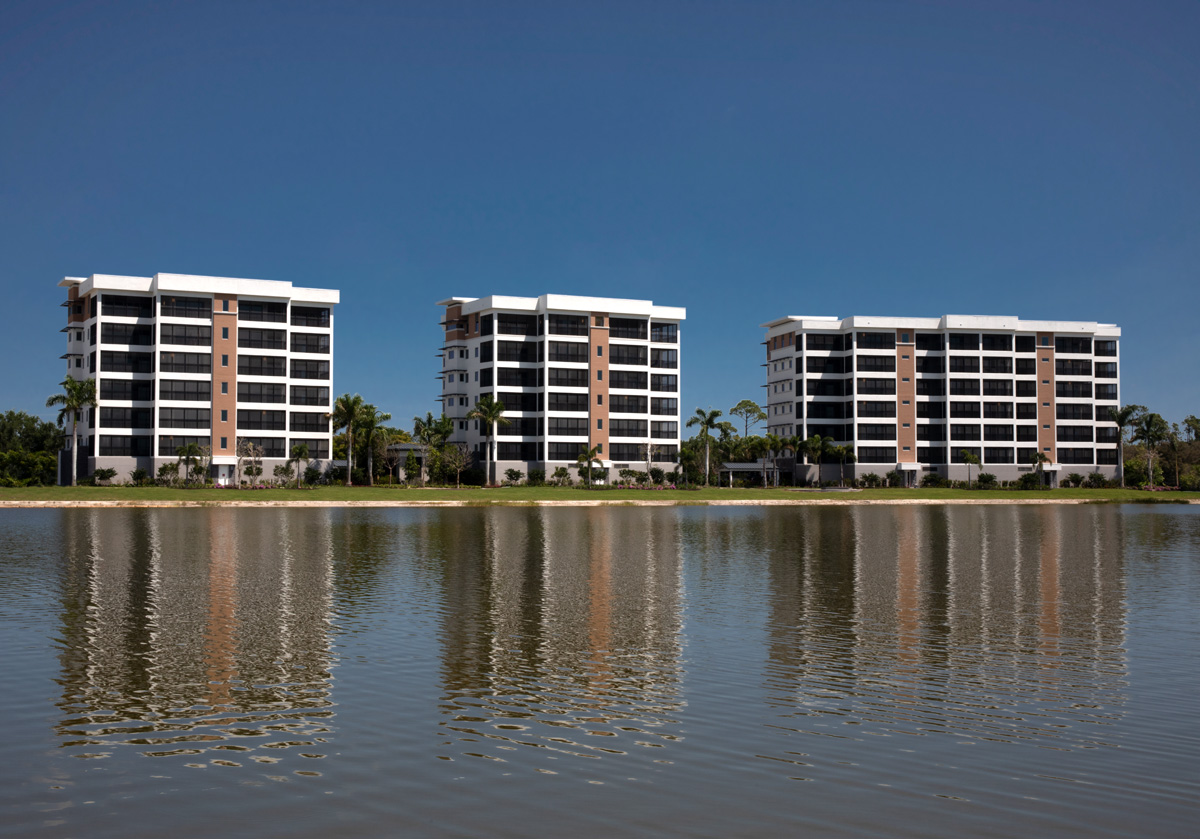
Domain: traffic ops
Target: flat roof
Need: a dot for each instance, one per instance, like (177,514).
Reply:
(570,303)
(977,323)
(197,284)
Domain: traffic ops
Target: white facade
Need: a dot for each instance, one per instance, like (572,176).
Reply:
(912,393)
(574,373)
(184,359)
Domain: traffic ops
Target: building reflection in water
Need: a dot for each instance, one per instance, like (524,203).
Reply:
(560,629)
(203,634)
(1004,623)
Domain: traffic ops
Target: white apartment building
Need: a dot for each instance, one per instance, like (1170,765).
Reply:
(913,393)
(183,359)
(574,373)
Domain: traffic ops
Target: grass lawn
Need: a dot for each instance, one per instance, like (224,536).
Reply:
(518,495)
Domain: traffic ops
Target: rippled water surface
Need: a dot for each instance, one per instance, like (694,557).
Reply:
(865,671)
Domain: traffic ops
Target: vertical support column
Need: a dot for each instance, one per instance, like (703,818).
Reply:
(906,391)
(1045,392)
(598,386)
(224,372)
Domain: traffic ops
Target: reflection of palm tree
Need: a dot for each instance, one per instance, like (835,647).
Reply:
(77,394)
(489,412)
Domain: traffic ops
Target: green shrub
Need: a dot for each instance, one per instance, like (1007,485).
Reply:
(657,475)
(537,477)
(932,480)
(986,481)
(513,476)
(1096,480)
(1030,480)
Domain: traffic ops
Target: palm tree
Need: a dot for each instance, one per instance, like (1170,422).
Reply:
(1127,415)
(489,412)
(707,422)
(843,454)
(585,461)
(756,447)
(299,453)
(346,414)
(775,445)
(1150,430)
(369,420)
(189,456)
(969,457)
(816,447)
(77,394)
(1040,459)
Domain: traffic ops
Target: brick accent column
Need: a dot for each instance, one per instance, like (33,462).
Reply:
(598,386)
(906,368)
(224,348)
(1045,394)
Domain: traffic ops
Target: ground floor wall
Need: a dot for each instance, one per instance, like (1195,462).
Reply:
(807,473)
(608,474)
(222,474)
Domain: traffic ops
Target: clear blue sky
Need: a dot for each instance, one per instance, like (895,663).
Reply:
(745,160)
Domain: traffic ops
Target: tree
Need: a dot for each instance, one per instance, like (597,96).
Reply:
(189,456)
(1040,460)
(22,432)
(816,447)
(1126,416)
(347,411)
(750,412)
(969,457)
(1150,430)
(369,420)
(1191,427)
(585,461)
(757,448)
(775,447)
(77,394)
(455,457)
(431,434)
(707,423)
(299,453)
(843,454)
(649,450)
(489,412)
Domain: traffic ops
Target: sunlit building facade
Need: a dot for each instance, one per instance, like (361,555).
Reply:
(181,359)
(914,394)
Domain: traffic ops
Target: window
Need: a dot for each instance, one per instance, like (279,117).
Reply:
(1106,392)
(931,410)
(877,363)
(622,404)
(599,375)
(531,377)
(932,455)
(521,427)
(224,417)
(964,364)
(668,359)
(997,432)
(1026,367)
(931,432)
(574,352)
(1026,410)
(1106,369)
(262,339)
(185,391)
(255,419)
(874,409)
(310,316)
(126,417)
(112,361)
(1025,343)
(520,351)
(1072,411)
(120,445)
(271,446)
(225,304)
(1106,348)
(125,306)
(312,422)
(568,325)
(599,352)
(826,364)
(1026,388)
(318,449)
(1027,433)
(664,383)
(1072,367)
(513,324)
(599,320)
(929,341)
(304,369)
(1074,434)
(997,387)
(1073,344)
(997,410)
(567,377)
(835,410)
(877,340)
(964,387)
(996,343)
(261,365)
(565,451)
(127,390)
(966,410)
(567,426)
(826,387)
(574,402)
(627,328)
(310,342)
(628,428)
(184,417)
(660,406)
(964,432)
(931,387)
(664,333)
(263,312)
(530,402)
(302,395)
(260,392)
(629,355)
(175,306)
(964,341)
(1073,390)
(876,454)
(956,453)
(998,455)
(224,361)
(141,334)
(997,365)
(877,386)
(876,431)
(931,364)
(225,387)
(484,352)
(664,430)
(1076,456)
(823,343)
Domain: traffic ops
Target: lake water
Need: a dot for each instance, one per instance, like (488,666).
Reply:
(841,671)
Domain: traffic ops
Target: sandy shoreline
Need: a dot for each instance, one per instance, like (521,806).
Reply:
(599,502)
